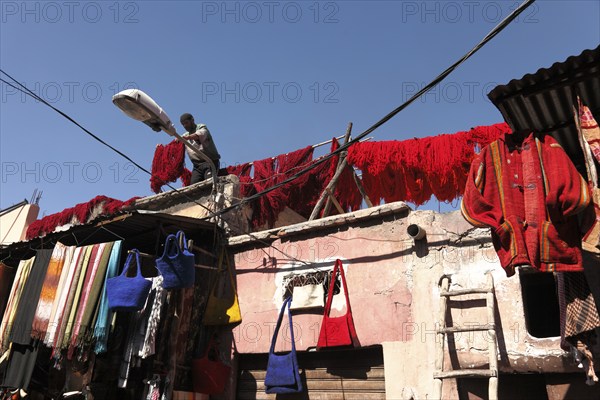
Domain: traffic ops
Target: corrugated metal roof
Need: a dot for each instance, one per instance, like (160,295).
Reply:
(544,101)
(142,230)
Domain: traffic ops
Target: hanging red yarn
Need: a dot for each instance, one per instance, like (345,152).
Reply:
(413,170)
(168,164)
(79,214)
(269,172)
(239,170)
(264,205)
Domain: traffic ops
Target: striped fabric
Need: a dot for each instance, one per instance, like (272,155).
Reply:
(517,186)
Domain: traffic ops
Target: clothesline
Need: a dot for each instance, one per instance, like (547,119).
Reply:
(314,146)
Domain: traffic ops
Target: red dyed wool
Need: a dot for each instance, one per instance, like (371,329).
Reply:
(81,213)
(168,165)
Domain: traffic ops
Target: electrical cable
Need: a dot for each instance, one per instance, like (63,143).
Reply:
(30,93)
(497,29)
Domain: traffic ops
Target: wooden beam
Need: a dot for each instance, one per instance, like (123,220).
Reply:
(361,189)
(340,160)
(334,201)
(331,184)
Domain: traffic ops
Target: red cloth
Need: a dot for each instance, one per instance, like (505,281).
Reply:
(528,194)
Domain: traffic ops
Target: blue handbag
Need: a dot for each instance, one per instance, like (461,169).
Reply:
(176,265)
(283,375)
(128,293)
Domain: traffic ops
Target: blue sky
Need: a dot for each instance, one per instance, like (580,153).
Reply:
(267,77)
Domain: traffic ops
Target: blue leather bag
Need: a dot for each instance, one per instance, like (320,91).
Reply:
(283,375)
(128,293)
(176,265)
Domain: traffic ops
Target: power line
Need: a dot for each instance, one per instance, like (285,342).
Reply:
(28,92)
(497,29)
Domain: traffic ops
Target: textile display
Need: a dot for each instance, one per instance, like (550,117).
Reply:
(7,276)
(209,373)
(156,299)
(337,331)
(528,191)
(308,296)
(588,134)
(61,293)
(49,287)
(128,293)
(89,296)
(578,317)
(101,328)
(20,365)
(21,329)
(176,265)
(283,374)
(14,298)
(222,306)
(68,319)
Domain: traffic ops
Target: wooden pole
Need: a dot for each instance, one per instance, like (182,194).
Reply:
(340,160)
(324,195)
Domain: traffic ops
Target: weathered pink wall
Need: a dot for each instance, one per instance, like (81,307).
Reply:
(377,284)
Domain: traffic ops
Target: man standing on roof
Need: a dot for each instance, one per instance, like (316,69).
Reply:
(200,137)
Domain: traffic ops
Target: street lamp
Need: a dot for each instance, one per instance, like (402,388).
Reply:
(141,107)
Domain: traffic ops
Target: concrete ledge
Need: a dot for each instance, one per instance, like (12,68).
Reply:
(323,223)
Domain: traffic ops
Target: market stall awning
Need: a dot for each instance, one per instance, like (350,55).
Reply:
(143,230)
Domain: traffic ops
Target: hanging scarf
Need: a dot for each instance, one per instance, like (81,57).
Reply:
(89,294)
(101,328)
(49,289)
(58,307)
(14,298)
(73,303)
(70,252)
(156,300)
(21,329)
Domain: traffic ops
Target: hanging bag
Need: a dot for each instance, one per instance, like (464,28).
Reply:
(222,307)
(337,331)
(283,375)
(128,293)
(176,265)
(210,374)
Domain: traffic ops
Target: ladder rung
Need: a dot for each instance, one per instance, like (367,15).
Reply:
(465,291)
(470,328)
(472,373)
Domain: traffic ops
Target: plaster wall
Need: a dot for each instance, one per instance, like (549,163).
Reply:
(394,294)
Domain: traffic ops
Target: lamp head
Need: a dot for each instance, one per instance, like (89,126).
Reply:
(141,107)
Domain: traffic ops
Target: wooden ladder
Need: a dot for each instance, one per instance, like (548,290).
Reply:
(442,330)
